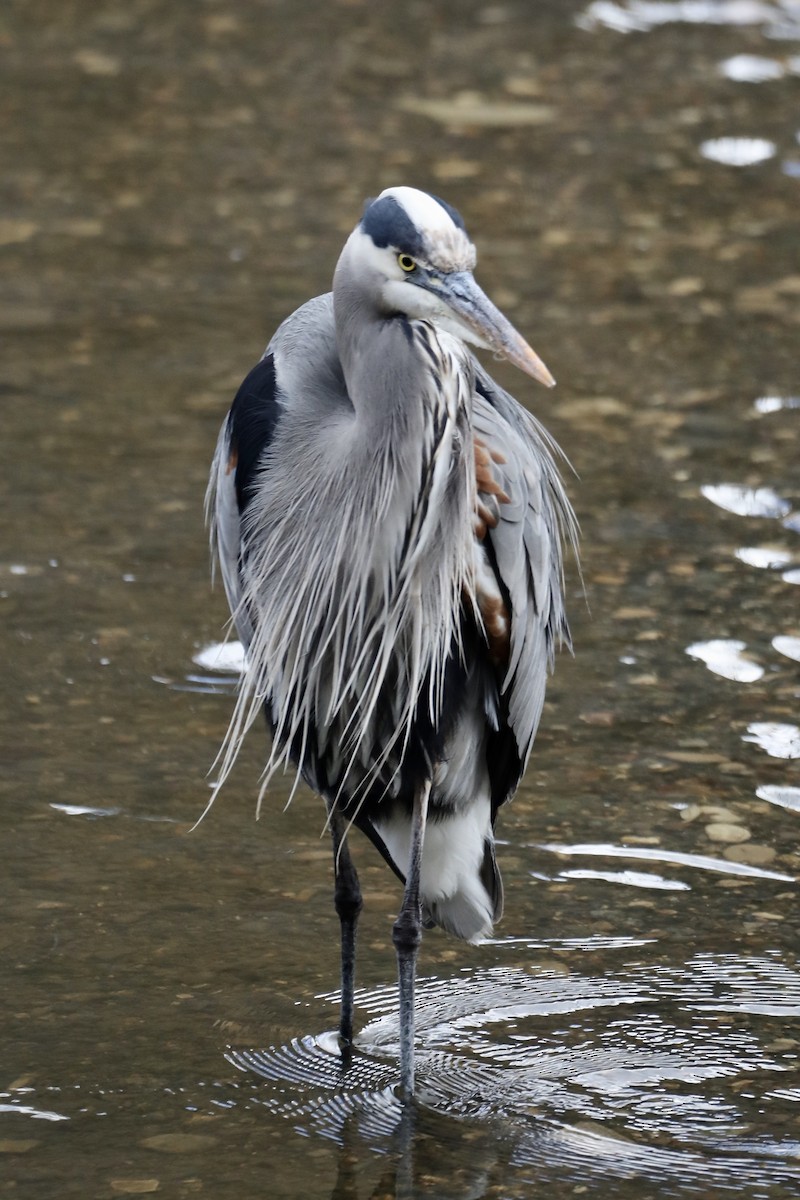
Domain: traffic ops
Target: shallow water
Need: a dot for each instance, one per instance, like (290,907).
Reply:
(176,178)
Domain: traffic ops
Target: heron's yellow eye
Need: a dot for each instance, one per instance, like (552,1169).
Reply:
(406,263)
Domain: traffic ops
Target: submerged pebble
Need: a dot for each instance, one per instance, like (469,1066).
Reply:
(178,1143)
(751,854)
(725,832)
(134,1187)
(711,811)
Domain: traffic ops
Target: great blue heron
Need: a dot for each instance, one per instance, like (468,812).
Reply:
(389,523)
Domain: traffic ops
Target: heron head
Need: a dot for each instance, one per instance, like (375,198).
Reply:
(413,251)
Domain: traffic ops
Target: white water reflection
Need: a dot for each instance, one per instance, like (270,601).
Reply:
(85,810)
(751,68)
(226,657)
(226,661)
(789,646)
(640,16)
(725,657)
(738,151)
(27,1110)
(773,404)
(763,557)
(784,795)
(700,862)
(639,879)
(745,501)
(791,576)
(780,740)
(589,944)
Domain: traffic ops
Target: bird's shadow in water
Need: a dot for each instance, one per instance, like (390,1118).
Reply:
(600,1078)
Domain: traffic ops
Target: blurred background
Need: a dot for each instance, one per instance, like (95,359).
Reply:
(177,177)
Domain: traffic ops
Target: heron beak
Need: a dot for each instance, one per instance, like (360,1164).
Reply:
(479,321)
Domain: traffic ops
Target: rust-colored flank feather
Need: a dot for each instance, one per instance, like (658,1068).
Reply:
(496,617)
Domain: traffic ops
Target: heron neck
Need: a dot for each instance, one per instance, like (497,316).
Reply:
(382,370)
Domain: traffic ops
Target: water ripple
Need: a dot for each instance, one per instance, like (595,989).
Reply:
(589,1076)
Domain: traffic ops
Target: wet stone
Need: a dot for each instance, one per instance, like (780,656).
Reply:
(725,832)
(752,854)
(456,168)
(178,1143)
(694,756)
(16,229)
(94,62)
(134,1187)
(467,108)
(712,812)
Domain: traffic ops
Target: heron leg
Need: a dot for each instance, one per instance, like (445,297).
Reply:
(348,902)
(407,935)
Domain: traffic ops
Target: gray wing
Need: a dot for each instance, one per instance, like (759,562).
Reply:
(299,367)
(531,519)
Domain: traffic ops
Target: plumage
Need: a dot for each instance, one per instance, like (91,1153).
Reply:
(389,525)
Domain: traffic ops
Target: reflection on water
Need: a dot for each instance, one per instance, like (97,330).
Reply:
(779,20)
(738,151)
(763,557)
(779,739)
(725,657)
(771,404)
(788,646)
(786,797)
(679,858)
(225,657)
(746,502)
(752,68)
(638,879)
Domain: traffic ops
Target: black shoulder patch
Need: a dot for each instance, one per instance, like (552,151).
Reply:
(252,422)
(482,390)
(388,224)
